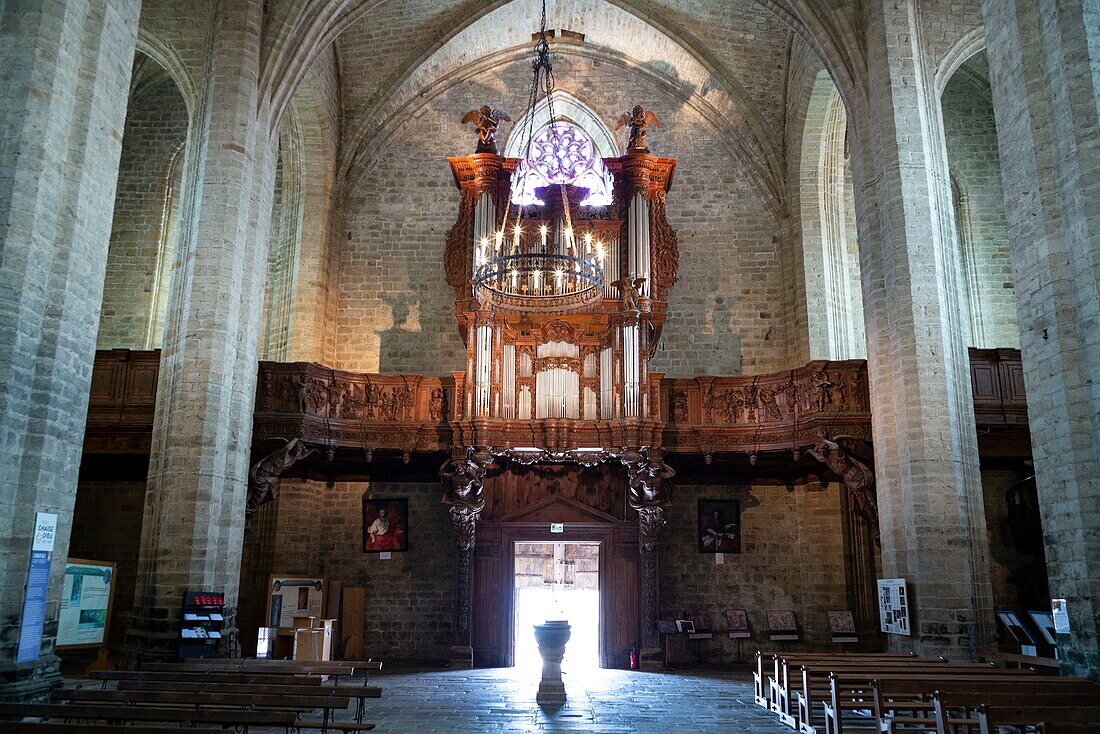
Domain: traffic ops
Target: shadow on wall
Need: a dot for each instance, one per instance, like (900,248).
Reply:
(399,343)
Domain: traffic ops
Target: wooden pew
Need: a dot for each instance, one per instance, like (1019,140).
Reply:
(123,714)
(49,727)
(185,676)
(1053,719)
(269,662)
(795,691)
(359,693)
(287,667)
(763,685)
(815,686)
(898,702)
(297,703)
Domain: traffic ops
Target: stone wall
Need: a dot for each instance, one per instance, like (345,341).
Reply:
(792,557)
(971,136)
(409,597)
(396,313)
(146,210)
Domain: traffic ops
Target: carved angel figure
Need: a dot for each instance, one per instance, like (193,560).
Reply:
(639,119)
(486,119)
(629,289)
(263,478)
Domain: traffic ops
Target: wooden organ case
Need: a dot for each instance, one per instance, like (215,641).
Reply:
(557,416)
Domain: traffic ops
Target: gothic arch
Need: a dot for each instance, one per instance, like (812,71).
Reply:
(690,73)
(834,307)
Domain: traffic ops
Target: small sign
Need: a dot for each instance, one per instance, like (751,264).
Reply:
(1061,616)
(893,606)
(384,556)
(557,527)
(38,581)
(719,559)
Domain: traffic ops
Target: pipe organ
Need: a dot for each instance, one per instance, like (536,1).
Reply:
(530,365)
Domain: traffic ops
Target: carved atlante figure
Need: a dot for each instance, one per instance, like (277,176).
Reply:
(486,120)
(263,478)
(464,492)
(856,476)
(639,119)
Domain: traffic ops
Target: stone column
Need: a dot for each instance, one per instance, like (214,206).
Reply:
(63,95)
(1045,76)
(926,455)
(198,466)
(463,480)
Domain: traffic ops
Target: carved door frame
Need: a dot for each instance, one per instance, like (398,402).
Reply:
(506,535)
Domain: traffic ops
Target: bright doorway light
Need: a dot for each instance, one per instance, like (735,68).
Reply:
(558,581)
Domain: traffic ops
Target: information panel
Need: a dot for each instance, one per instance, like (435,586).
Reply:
(85,603)
(893,606)
(38,581)
(293,596)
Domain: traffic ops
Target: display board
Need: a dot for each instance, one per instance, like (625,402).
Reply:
(893,606)
(86,595)
(293,596)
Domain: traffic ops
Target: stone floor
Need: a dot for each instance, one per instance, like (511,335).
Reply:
(603,702)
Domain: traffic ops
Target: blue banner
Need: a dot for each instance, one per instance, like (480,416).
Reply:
(38,582)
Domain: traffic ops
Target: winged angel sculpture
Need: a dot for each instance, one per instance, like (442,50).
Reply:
(486,120)
(638,119)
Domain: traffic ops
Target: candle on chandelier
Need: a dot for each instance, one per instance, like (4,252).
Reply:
(500,240)
(542,231)
(515,240)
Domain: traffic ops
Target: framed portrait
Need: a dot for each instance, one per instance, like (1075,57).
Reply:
(719,526)
(385,525)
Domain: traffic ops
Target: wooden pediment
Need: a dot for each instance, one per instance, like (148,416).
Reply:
(557,508)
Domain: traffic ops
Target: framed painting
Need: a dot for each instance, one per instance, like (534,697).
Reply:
(719,526)
(385,525)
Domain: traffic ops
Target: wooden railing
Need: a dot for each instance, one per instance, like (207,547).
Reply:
(332,409)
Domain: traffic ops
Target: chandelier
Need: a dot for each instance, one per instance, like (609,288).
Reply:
(538,264)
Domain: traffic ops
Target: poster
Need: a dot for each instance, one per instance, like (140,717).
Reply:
(1060,612)
(38,581)
(293,596)
(85,603)
(893,606)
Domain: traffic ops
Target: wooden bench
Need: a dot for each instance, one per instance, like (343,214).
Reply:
(795,690)
(1006,659)
(891,703)
(359,693)
(269,662)
(297,703)
(123,714)
(205,677)
(287,667)
(50,727)
(763,685)
(1053,719)
(815,685)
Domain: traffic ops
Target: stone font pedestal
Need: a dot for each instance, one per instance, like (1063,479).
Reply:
(551,638)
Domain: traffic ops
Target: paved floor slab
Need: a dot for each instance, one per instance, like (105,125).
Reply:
(603,702)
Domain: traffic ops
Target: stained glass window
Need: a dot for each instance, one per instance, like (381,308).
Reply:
(562,153)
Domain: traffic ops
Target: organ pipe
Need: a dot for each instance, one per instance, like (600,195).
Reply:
(638,241)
